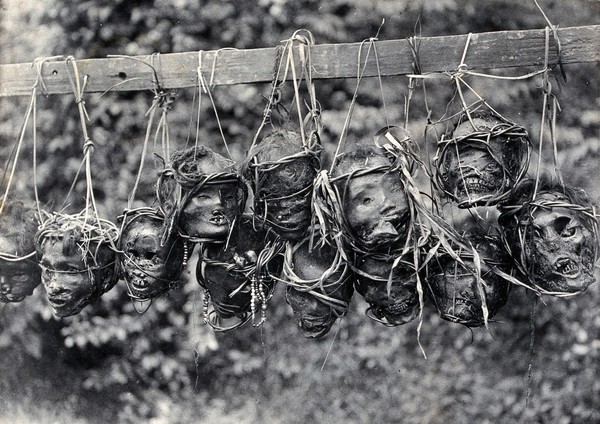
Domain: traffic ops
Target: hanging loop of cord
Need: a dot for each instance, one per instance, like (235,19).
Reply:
(206,87)
(287,66)
(360,71)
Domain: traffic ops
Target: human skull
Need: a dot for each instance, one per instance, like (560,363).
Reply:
(210,212)
(479,167)
(150,267)
(375,205)
(398,306)
(205,193)
(454,286)
(76,269)
(19,273)
(561,246)
(376,208)
(228,272)
(18,278)
(282,171)
(314,314)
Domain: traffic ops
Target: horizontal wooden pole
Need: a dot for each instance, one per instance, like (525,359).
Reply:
(489,50)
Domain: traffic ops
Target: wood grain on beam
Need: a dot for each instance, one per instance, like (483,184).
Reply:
(490,50)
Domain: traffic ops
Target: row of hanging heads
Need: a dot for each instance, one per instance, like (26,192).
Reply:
(361,227)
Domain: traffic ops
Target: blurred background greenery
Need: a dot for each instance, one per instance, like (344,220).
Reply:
(110,364)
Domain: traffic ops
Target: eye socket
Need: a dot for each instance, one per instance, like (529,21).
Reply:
(561,226)
(200,197)
(367,201)
(568,232)
(149,255)
(133,253)
(396,188)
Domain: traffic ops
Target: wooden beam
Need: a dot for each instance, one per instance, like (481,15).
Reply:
(490,50)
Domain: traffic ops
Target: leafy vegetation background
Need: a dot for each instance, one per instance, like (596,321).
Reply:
(538,363)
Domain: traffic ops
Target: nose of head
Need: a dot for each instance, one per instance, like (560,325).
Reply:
(52,285)
(4,285)
(551,242)
(387,204)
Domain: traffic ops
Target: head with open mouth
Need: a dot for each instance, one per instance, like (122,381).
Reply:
(202,190)
(460,291)
(376,207)
(554,235)
(151,260)
(19,273)
(391,304)
(77,257)
(481,159)
(281,169)
(320,289)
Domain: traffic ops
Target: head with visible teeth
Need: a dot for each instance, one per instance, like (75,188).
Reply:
(555,235)
(394,304)
(211,194)
(376,207)
(19,274)
(77,259)
(281,170)
(455,288)
(318,309)
(481,158)
(150,260)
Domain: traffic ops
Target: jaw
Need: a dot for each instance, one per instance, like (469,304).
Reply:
(400,312)
(64,306)
(566,275)
(567,268)
(386,231)
(315,327)
(462,311)
(560,283)
(19,292)
(207,226)
(480,186)
(12,297)
(147,289)
(475,187)
(209,231)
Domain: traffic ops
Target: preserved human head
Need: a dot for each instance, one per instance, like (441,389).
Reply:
(391,304)
(481,159)
(237,276)
(375,205)
(151,260)
(19,273)
(281,170)
(457,288)
(212,194)
(321,291)
(77,261)
(554,235)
